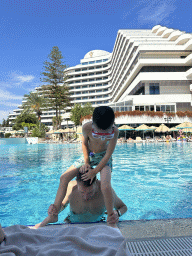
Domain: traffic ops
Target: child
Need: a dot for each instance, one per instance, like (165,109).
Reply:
(98,143)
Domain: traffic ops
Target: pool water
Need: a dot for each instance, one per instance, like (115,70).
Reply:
(153,180)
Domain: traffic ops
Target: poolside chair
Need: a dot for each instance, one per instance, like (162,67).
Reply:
(138,139)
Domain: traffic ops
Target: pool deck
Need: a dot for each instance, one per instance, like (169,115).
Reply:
(153,237)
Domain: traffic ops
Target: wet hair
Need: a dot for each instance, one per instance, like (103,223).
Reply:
(85,183)
(103,117)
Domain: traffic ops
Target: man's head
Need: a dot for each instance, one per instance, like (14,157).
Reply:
(86,189)
(103,117)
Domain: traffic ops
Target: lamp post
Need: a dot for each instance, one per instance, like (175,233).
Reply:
(168,119)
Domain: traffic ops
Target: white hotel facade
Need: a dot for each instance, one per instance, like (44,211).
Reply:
(148,70)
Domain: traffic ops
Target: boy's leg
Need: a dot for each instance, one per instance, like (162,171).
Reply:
(65,178)
(106,189)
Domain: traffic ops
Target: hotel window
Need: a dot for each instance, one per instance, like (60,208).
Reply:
(91,74)
(91,68)
(163,108)
(99,67)
(153,88)
(85,98)
(83,69)
(78,87)
(98,73)
(99,78)
(99,90)
(91,62)
(146,108)
(93,85)
(90,80)
(168,108)
(105,60)
(158,108)
(151,108)
(83,81)
(78,98)
(85,86)
(98,85)
(84,75)
(84,63)
(98,61)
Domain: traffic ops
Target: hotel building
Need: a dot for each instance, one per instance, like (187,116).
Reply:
(148,70)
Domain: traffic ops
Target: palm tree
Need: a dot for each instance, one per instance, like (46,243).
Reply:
(35,103)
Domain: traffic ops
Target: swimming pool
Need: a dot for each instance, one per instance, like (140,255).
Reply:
(154,180)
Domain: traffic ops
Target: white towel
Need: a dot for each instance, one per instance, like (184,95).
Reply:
(63,240)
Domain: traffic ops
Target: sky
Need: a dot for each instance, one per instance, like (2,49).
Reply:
(30,28)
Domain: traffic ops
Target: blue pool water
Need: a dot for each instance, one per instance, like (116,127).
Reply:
(154,180)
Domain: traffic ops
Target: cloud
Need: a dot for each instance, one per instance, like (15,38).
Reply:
(26,78)
(6,95)
(3,115)
(155,12)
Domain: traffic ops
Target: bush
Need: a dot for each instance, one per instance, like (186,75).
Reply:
(7,135)
(39,131)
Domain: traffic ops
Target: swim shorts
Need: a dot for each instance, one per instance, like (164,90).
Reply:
(94,159)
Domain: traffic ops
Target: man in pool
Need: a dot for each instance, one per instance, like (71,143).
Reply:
(86,203)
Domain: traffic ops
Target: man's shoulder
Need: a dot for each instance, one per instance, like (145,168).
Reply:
(87,126)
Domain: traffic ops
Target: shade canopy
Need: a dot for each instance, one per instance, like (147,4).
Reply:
(152,127)
(126,128)
(59,131)
(162,128)
(173,129)
(187,130)
(184,125)
(68,130)
(143,127)
(50,132)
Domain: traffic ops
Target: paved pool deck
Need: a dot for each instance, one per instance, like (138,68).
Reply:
(135,230)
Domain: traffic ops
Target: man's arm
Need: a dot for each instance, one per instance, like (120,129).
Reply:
(118,204)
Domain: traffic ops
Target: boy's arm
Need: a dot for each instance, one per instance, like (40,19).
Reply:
(109,152)
(85,143)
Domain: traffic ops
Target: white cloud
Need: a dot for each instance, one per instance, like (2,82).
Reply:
(4,114)
(26,78)
(155,12)
(6,95)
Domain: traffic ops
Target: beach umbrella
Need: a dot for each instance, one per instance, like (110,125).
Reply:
(143,128)
(187,130)
(68,130)
(126,128)
(50,132)
(162,128)
(59,131)
(173,129)
(152,128)
(184,125)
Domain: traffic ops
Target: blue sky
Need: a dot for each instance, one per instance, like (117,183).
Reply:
(30,28)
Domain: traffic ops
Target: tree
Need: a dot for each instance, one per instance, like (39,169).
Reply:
(56,122)
(34,103)
(24,117)
(54,76)
(78,111)
(5,123)
(88,109)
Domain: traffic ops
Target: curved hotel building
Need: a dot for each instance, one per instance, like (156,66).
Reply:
(148,70)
